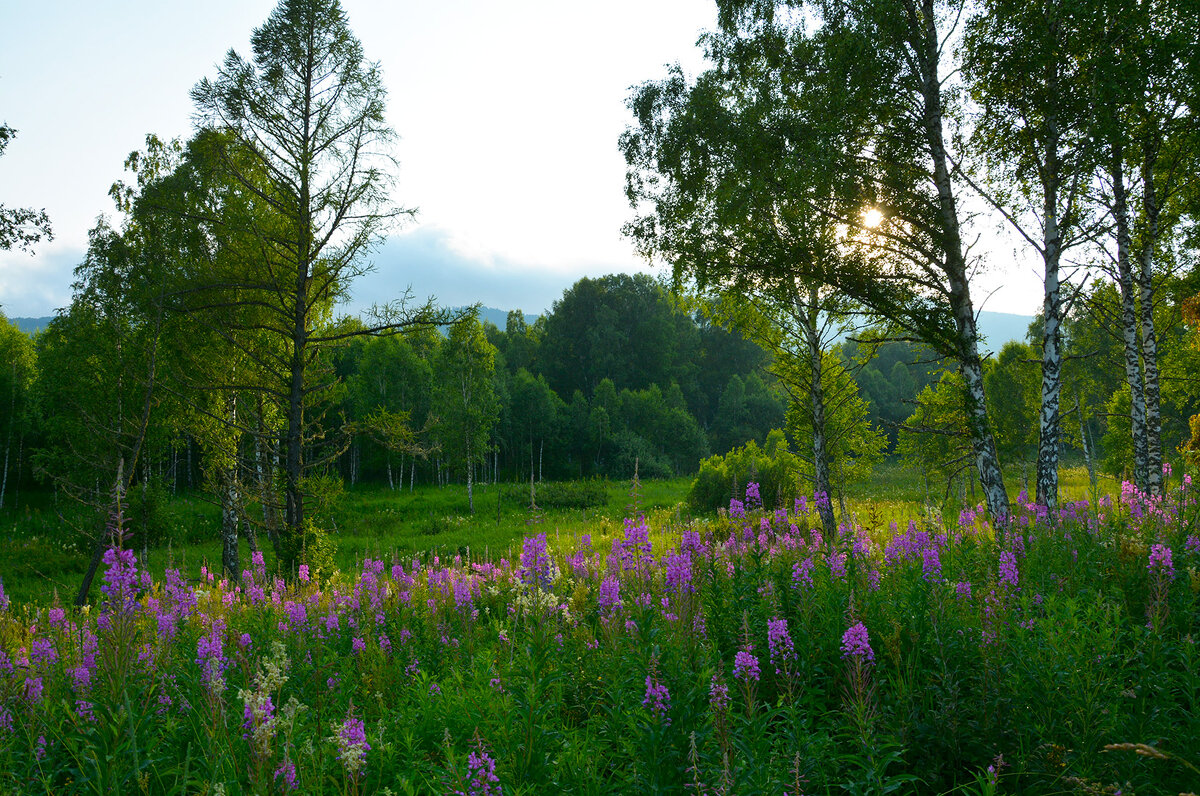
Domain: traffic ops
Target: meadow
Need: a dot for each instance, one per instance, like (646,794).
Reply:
(635,649)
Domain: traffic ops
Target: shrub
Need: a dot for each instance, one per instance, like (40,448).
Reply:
(572,494)
(773,466)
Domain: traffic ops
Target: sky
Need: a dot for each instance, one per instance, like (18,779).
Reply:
(508,115)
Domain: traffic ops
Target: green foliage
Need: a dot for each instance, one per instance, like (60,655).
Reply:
(853,444)
(774,467)
(587,494)
(932,440)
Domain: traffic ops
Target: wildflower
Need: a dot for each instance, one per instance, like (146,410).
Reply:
(837,565)
(753,499)
(535,565)
(58,617)
(1009,575)
(737,509)
(120,579)
(302,573)
(286,771)
(481,774)
(678,577)
(358,645)
(42,652)
(33,689)
(351,739)
(802,573)
(609,598)
(1160,565)
(658,698)
(1191,546)
(779,643)
(963,589)
(745,665)
(857,644)
(718,694)
(931,564)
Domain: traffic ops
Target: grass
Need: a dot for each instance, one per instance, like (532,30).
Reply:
(43,552)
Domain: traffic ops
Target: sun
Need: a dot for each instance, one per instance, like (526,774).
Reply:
(872,217)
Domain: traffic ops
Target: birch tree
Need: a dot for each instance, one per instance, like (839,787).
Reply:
(1022,62)
(845,119)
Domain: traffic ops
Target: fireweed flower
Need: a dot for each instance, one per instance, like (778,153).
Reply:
(657,698)
(718,694)
(535,565)
(351,739)
(287,773)
(678,577)
(963,589)
(931,564)
(1009,575)
(753,499)
(120,580)
(1191,546)
(1162,570)
(609,598)
(779,643)
(481,774)
(737,509)
(745,665)
(802,573)
(857,644)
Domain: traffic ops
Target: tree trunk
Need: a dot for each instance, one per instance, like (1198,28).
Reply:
(1154,459)
(810,313)
(927,43)
(1087,449)
(229,505)
(1129,319)
(470,476)
(1049,420)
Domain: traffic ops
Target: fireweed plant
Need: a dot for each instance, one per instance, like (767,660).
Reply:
(749,654)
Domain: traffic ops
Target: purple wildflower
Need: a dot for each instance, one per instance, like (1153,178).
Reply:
(535,565)
(678,577)
(286,772)
(120,580)
(857,644)
(609,598)
(745,665)
(718,694)
(753,499)
(351,739)
(963,589)
(779,643)
(1009,575)
(802,573)
(931,564)
(481,774)
(658,698)
(1161,567)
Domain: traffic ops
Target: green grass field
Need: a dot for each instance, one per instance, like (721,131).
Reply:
(42,551)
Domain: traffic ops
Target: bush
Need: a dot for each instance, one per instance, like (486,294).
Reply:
(572,494)
(774,467)
(633,449)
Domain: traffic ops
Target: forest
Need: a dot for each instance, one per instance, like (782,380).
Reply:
(816,198)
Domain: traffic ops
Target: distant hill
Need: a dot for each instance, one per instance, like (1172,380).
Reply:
(1000,327)
(31,326)
(500,317)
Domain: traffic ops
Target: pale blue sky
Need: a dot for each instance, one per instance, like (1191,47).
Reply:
(508,115)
